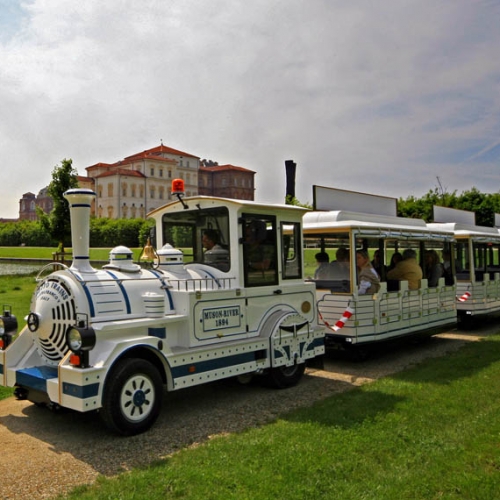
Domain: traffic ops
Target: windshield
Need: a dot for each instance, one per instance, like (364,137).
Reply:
(202,235)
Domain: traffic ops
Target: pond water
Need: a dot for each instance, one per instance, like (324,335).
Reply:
(12,268)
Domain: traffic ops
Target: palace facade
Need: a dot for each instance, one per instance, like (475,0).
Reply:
(140,183)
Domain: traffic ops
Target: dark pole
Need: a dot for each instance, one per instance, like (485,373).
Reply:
(290,168)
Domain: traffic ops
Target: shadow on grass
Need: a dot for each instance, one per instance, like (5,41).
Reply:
(376,400)
(348,409)
(472,358)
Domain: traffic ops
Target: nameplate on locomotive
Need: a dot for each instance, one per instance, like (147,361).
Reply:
(216,318)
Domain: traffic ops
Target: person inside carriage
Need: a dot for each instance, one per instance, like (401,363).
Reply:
(408,269)
(368,279)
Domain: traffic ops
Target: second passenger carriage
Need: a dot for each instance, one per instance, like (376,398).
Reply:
(476,257)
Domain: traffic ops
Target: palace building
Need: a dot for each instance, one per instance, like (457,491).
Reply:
(140,183)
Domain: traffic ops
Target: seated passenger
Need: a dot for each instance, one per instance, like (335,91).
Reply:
(368,279)
(340,268)
(433,268)
(210,240)
(259,254)
(323,268)
(447,269)
(214,254)
(377,262)
(408,269)
(396,257)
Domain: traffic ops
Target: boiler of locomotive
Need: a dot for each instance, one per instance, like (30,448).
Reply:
(65,298)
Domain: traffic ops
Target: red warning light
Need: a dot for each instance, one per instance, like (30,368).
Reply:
(178,186)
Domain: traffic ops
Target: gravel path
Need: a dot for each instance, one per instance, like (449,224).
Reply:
(44,454)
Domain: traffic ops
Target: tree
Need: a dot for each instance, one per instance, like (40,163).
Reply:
(58,223)
(484,205)
(291,200)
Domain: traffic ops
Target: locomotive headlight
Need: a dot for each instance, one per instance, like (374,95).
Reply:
(8,323)
(8,326)
(80,339)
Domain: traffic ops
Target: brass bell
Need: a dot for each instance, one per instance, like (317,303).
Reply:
(148,252)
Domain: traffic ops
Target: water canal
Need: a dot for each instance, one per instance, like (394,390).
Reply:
(14,268)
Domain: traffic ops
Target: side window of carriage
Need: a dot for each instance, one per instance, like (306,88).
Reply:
(259,243)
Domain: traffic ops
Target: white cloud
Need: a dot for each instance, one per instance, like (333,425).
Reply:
(376,97)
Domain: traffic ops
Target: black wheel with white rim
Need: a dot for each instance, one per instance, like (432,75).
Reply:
(132,397)
(282,377)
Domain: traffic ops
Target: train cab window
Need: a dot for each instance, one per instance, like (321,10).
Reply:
(259,244)
(291,253)
(202,235)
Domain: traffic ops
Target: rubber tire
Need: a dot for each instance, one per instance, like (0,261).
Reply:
(117,412)
(283,377)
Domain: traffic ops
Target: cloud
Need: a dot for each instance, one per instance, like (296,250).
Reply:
(373,97)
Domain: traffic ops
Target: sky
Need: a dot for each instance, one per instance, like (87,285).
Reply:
(392,97)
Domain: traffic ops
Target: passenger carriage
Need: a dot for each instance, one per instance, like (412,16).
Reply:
(354,320)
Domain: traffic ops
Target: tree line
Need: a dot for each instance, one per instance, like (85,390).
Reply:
(484,205)
(106,233)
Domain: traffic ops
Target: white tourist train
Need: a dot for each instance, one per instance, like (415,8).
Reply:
(111,339)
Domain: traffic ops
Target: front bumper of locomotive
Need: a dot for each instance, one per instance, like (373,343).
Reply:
(75,382)
(70,383)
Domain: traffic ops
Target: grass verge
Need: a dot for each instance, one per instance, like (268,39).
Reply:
(427,433)
(16,292)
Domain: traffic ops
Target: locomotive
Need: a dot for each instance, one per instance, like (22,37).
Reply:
(110,339)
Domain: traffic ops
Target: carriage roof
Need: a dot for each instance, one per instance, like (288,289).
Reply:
(372,224)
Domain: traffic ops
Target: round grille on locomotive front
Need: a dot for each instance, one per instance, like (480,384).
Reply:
(54,306)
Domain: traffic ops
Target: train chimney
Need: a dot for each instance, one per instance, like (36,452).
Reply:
(290,167)
(80,201)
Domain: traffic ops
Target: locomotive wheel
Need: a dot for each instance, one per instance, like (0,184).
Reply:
(282,377)
(132,397)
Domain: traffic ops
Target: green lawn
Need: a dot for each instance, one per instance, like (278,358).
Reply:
(16,292)
(432,432)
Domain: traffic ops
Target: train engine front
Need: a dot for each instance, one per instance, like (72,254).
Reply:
(53,361)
